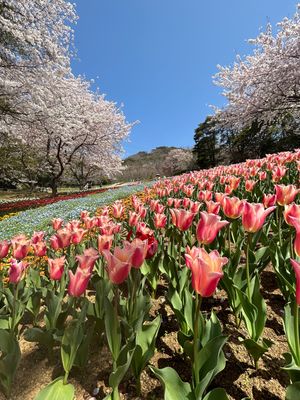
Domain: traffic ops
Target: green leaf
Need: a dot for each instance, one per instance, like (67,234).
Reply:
(216,394)
(40,336)
(255,349)
(112,329)
(9,360)
(291,368)
(145,345)
(293,391)
(174,387)
(71,341)
(123,363)
(56,390)
(212,361)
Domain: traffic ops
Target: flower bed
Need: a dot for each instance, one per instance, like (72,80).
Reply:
(204,267)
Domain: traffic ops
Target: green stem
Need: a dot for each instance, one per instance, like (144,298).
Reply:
(65,381)
(13,318)
(247,266)
(228,238)
(196,337)
(292,246)
(279,214)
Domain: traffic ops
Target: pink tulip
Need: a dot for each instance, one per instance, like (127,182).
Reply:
(206,270)
(219,197)
(84,214)
(186,202)
(4,248)
(177,203)
(54,242)
(291,210)
(249,185)
(212,207)
(57,223)
(77,235)
(142,211)
(170,201)
(254,215)
(296,223)
(20,247)
(204,195)
(133,218)
(160,220)
(16,270)
(208,227)
(232,207)
(118,264)
(296,267)
(78,282)
(181,218)
(195,207)
(269,200)
(63,238)
(191,254)
(37,237)
(40,249)
(87,259)
(286,194)
(160,208)
(117,209)
(262,175)
(56,267)
(104,242)
(138,249)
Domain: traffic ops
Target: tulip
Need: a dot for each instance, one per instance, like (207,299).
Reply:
(133,218)
(249,185)
(204,195)
(142,211)
(87,259)
(160,208)
(269,200)
(78,282)
(56,267)
(296,223)
(152,247)
(208,227)
(160,220)
(117,209)
(16,270)
(181,218)
(195,207)
(57,223)
(296,266)
(170,201)
(118,264)
(212,207)
(254,215)
(4,248)
(291,210)
(219,197)
(286,194)
(190,255)
(20,248)
(40,249)
(232,207)
(177,203)
(104,242)
(206,270)
(84,214)
(63,238)
(37,237)
(138,249)
(77,235)
(54,242)
(186,202)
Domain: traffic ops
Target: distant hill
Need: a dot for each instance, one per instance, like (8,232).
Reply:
(145,165)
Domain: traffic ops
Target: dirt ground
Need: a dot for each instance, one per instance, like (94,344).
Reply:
(239,378)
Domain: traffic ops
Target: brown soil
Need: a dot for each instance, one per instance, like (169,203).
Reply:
(240,379)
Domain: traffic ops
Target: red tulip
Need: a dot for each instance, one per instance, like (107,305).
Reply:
(206,270)
(195,207)
(78,282)
(186,202)
(286,194)
(254,215)
(208,227)
(181,218)
(296,267)
(4,248)
(54,242)
(118,264)
(56,267)
(37,237)
(160,220)
(232,207)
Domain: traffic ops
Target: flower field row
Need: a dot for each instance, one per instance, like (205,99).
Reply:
(192,234)
(39,219)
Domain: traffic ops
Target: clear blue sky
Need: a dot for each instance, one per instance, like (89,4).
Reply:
(157,57)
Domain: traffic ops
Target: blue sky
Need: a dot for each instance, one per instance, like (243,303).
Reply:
(157,57)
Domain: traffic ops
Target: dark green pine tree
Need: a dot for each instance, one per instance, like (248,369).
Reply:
(205,144)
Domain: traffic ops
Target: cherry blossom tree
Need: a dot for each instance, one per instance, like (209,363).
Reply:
(178,160)
(264,86)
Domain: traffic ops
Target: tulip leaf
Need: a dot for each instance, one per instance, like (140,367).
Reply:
(145,345)
(40,336)
(174,387)
(293,391)
(9,360)
(216,394)
(256,350)
(112,329)
(56,390)
(72,338)
(123,363)
(291,368)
